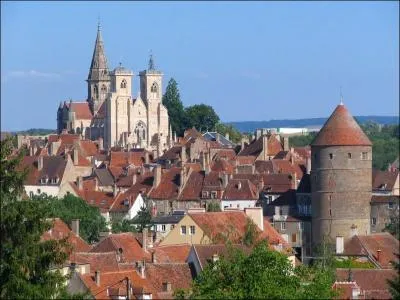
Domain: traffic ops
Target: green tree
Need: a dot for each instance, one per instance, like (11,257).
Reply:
(263,274)
(143,218)
(122,226)
(202,117)
(25,259)
(91,222)
(251,234)
(172,101)
(234,134)
(213,207)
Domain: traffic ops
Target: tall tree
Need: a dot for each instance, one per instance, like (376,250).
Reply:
(143,218)
(394,284)
(202,117)
(25,259)
(234,134)
(172,101)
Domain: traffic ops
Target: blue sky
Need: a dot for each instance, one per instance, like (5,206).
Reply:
(249,60)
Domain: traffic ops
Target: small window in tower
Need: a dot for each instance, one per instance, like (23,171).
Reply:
(349,155)
(154,88)
(364,155)
(330,155)
(123,84)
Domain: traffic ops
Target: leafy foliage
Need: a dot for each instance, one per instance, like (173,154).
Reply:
(201,117)
(122,226)
(301,140)
(91,222)
(353,263)
(213,207)
(25,259)
(172,101)
(143,218)
(251,234)
(264,274)
(394,227)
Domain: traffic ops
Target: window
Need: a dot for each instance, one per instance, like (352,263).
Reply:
(192,230)
(294,237)
(349,155)
(183,230)
(204,194)
(123,84)
(283,226)
(39,191)
(163,228)
(373,221)
(237,205)
(390,205)
(315,156)
(31,194)
(154,88)
(172,226)
(301,225)
(364,155)
(213,195)
(330,155)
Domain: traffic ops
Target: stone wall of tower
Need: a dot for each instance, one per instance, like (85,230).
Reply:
(341,180)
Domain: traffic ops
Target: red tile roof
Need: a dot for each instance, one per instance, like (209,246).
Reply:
(131,248)
(104,261)
(53,166)
(193,186)
(81,109)
(240,189)
(256,147)
(228,154)
(373,282)
(169,185)
(102,200)
(222,165)
(384,180)
(60,230)
(341,130)
(122,159)
(172,253)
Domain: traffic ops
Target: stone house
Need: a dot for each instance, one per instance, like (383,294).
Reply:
(384,210)
(385,183)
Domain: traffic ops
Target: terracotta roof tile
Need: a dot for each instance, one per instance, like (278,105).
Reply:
(193,186)
(81,109)
(61,230)
(384,180)
(341,129)
(277,183)
(100,199)
(131,248)
(240,189)
(222,165)
(122,159)
(256,147)
(172,253)
(104,261)
(169,185)
(245,159)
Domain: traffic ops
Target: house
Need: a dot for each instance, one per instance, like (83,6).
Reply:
(240,194)
(264,147)
(363,283)
(219,138)
(170,253)
(163,224)
(384,211)
(47,174)
(379,249)
(385,182)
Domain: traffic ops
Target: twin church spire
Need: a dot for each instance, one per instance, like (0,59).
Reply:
(98,68)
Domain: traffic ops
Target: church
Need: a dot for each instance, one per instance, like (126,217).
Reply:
(110,112)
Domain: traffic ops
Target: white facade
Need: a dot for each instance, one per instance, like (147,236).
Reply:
(237,204)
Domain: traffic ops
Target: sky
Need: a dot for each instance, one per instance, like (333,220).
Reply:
(250,61)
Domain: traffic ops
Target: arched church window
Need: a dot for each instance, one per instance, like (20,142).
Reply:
(96,91)
(154,88)
(103,88)
(123,84)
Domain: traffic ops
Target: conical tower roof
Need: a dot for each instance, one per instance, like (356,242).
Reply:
(98,67)
(341,130)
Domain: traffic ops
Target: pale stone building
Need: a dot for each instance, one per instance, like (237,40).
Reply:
(111,112)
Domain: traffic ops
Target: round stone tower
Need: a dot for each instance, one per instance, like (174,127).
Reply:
(341,179)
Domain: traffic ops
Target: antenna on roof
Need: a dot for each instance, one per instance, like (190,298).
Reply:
(341,96)
(98,23)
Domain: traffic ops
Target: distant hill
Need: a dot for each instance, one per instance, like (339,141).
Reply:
(250,126)
(35,131)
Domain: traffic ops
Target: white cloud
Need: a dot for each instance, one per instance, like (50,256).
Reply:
(32,73)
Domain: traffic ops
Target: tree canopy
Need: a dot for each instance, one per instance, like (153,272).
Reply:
(263,274)
(172,101)
(25,259)
(202,117)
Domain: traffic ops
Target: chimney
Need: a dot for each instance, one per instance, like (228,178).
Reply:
(239,185)
(215,258)
(153,257)
(253,169)
(265,147)
(115,189)
(101,143)
(76,161)
(256,215)
(285,143)
(72,267)
(227,135)
(31,153)
(242,144)
(146,157)
(258,133)
(75,226)
(217,138)
(203,161)
(142,267)
(40,163)
(79,182)
(225,179)
(97,278)
(144,239)
(378,254)
(308,165)
(339,245)
(157,176)
(167,286)
(294,176)
(134,179)
(183,177)
(183,154)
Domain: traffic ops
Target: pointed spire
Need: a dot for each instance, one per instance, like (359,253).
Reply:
(151,62)
(98,67)
(341,96)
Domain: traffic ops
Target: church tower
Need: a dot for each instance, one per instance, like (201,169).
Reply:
(341,175)
(157,114)
(99,78)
